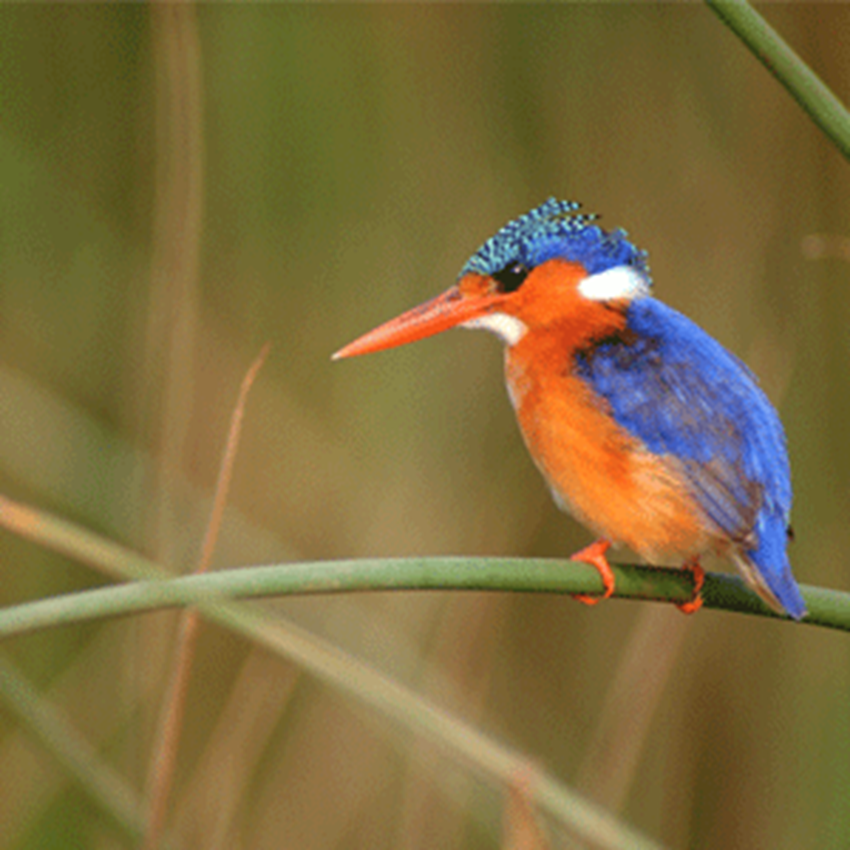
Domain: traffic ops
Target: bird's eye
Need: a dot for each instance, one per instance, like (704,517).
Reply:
(510,278)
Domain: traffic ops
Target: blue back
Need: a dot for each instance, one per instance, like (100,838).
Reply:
(676,389)
(681,393)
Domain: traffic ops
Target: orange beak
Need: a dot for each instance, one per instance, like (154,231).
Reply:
(448,310)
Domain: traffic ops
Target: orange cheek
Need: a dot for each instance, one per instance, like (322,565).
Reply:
(550,294)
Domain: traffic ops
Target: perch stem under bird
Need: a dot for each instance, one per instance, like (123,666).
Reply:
(646,429)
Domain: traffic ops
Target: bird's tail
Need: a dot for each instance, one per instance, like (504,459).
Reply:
(768,571)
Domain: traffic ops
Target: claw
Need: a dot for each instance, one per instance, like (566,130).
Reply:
(699,580)
(595,556)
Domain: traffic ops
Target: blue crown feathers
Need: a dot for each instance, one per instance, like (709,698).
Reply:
(555,230)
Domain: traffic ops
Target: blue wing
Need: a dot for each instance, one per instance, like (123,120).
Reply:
(681,393)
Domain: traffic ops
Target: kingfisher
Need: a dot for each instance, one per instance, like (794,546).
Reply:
(646,429)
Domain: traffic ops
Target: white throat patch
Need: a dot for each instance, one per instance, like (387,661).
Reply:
(509,329)
(618,282)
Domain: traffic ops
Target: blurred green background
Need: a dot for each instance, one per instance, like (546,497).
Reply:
(179,186)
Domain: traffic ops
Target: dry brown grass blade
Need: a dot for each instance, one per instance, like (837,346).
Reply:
(464,649)
(521,829)
(634,694)
(208,807)
(164,758)
(173,310)
(162,400)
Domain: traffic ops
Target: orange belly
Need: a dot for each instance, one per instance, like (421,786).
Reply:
(599,473)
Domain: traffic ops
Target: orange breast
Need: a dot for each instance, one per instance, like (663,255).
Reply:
(596,470)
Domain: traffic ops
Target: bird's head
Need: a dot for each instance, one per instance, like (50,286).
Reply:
(550,266)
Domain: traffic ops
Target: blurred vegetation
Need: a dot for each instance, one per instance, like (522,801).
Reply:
(180,187)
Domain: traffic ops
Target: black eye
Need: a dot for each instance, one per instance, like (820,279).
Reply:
(510,278)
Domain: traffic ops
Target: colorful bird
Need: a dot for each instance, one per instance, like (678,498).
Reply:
(645,428)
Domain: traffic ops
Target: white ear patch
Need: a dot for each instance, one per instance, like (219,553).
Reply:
(618,282)
(509,329)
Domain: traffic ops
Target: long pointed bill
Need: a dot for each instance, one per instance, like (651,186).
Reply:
(439,314)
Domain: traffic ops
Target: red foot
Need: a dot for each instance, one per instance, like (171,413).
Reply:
(699,580)
(595,556)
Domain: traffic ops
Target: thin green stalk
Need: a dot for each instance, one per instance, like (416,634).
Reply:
(496,763)
(825,109)
(211,594)
(827,608)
